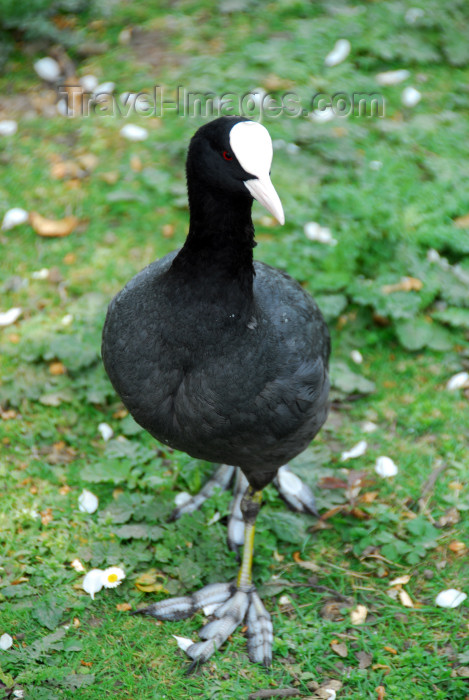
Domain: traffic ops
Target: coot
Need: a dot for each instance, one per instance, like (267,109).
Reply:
(225,359)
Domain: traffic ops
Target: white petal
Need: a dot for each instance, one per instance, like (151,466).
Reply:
(413,14)
(14,217)
(450,598)
(458,381)
(368,426)
(8,127)
(106,431)
(117,574)
(410,97)
(10,316)
(356,356)
(87,502)
(66,320)
(332,693)
(47,68)
(356,451)
(315,232)
(6,641)
(93,582)
(19,693)
(89,83)
(183,642)
(78,566)
(104,88)
(284,600)
(322,116)
(132,132)
(182,498)
(392,77)
(41,274)
(339,53)
(385,467)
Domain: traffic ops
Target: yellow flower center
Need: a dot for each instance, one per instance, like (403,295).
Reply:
(112,577)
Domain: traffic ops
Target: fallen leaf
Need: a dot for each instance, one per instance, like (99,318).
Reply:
(56,368)
(123,607)
(405,599)
(46,516)
(406,284)
(53,228)
(364,659)
(380,692)
(462,221)
(358,615)
(400,580)
(339,648)
(305,564)
(457,547)
(391,650)
(449,517)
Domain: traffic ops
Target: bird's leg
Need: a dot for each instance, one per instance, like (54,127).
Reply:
(296,494)
(236,522)
(236,602)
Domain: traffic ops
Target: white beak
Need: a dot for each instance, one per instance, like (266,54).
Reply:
(252,146)
(263,190)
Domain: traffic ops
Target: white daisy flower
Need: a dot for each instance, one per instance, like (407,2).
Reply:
(112,576)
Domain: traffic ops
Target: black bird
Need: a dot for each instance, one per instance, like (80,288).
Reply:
(225,359)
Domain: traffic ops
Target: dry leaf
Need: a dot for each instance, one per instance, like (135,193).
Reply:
(46,516)
(449,517)
(400,580)
(405,599)
(51,228)
(56,368)
(457,547)
(148,582)
(339,648)
(123,607)
(358,616)
(406,284)
(168,230)
(462,221)
(364,659)
(305,564)
(380,692)
(391,650)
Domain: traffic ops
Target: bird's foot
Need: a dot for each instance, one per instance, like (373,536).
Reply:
(228,606)
(233,606)
(296,494)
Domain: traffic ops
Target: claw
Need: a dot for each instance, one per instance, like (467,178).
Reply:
(296,494)
(185,606)
(260,632)
(227,618)
(221,479)
(236,522)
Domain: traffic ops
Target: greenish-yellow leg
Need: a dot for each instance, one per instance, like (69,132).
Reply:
(250,506)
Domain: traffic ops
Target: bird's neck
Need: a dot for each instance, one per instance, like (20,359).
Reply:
(218,248)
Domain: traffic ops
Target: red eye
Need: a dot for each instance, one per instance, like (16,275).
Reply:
(227,156)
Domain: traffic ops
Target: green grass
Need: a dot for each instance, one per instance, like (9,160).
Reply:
(385,220)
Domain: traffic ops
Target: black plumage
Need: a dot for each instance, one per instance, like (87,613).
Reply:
(212,353)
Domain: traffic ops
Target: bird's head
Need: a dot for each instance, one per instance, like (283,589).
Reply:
(234,154)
